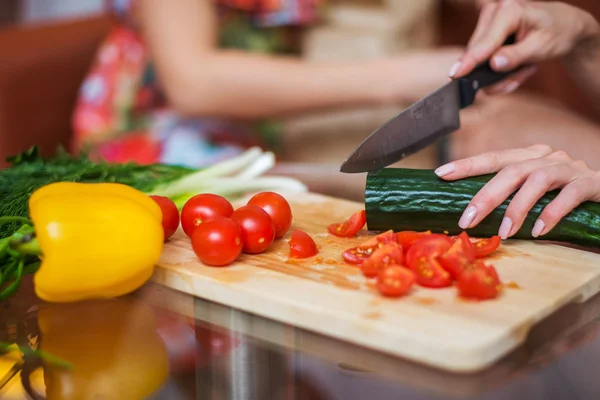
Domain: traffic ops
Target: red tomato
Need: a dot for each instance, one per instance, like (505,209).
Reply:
(407,238)
(278,209)
(302,245)
(467,246)
(458,257)
(479,283)
(358,254)
(218,241)
(388,254)
(422,260)
(258,231)
(394,281)
(201,208)
(351,226)
(170,215)
(485,247)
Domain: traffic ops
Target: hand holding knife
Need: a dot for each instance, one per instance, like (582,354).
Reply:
(424,122)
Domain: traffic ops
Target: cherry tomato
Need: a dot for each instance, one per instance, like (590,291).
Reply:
(458,257)
(467,246)
(388,254)
(485,247)
(394,281)
(278,209)
(302,245)
(258,231)
(218,241)
(422,260)
(170,215)
(201,208)
(479,283)
(351,226)
(358,254)
(407,238)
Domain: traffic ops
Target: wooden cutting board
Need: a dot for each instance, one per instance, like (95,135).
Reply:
(429,326)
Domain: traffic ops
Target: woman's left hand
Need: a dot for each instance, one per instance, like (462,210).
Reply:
(532,171)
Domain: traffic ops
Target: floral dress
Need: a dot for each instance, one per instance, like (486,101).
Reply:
(121,114)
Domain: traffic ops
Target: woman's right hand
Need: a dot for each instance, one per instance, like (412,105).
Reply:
(544,31)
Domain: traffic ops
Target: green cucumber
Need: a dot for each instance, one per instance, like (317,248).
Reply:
(418,200)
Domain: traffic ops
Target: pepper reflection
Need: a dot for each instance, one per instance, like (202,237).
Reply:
(112,344)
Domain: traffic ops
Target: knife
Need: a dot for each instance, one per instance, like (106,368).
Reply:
(424,122)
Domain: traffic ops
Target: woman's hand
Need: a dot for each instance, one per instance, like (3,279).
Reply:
(532,171)
(544,31)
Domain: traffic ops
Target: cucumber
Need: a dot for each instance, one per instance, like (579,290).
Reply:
(418,200)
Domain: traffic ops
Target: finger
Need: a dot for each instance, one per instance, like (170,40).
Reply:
(506,21)
(465,64)
(499,188)
(488,163)
(570,197)
(513,82)
(523,52)
(536,185)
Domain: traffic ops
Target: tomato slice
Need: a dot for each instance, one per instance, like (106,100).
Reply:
(459,256)
(485,247)
(358,254)
(388,254)
(394,281)
(408,238)
(422,260)
(302,245)
(351,226)
(467,246)
(480,282)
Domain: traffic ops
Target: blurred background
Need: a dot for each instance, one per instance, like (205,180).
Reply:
(48,47)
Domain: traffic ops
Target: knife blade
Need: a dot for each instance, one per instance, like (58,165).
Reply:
(424,122)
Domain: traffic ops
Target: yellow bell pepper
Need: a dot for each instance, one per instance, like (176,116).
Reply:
(112,345)
(97,240)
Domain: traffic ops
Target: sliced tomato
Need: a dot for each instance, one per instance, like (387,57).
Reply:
(351,226)
(429,273)
(394,281)
(490,269)
(485,247)
(467,246)
(459,256)
(302,245)
(358,254)
(386,255)
(422,260)
(407,238)
(480,282)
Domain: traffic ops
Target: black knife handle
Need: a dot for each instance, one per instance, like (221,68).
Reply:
(483,75)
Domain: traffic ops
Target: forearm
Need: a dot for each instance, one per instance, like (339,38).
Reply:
(242,85)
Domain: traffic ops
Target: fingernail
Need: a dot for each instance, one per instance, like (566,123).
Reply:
(445,170)
(538,228)
(510,87)
(467,218)
(500,61)
(454,69)
(505,228)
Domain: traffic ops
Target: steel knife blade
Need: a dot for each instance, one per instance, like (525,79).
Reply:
(423,123)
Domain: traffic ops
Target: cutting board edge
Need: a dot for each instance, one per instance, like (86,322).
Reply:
(465,361)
